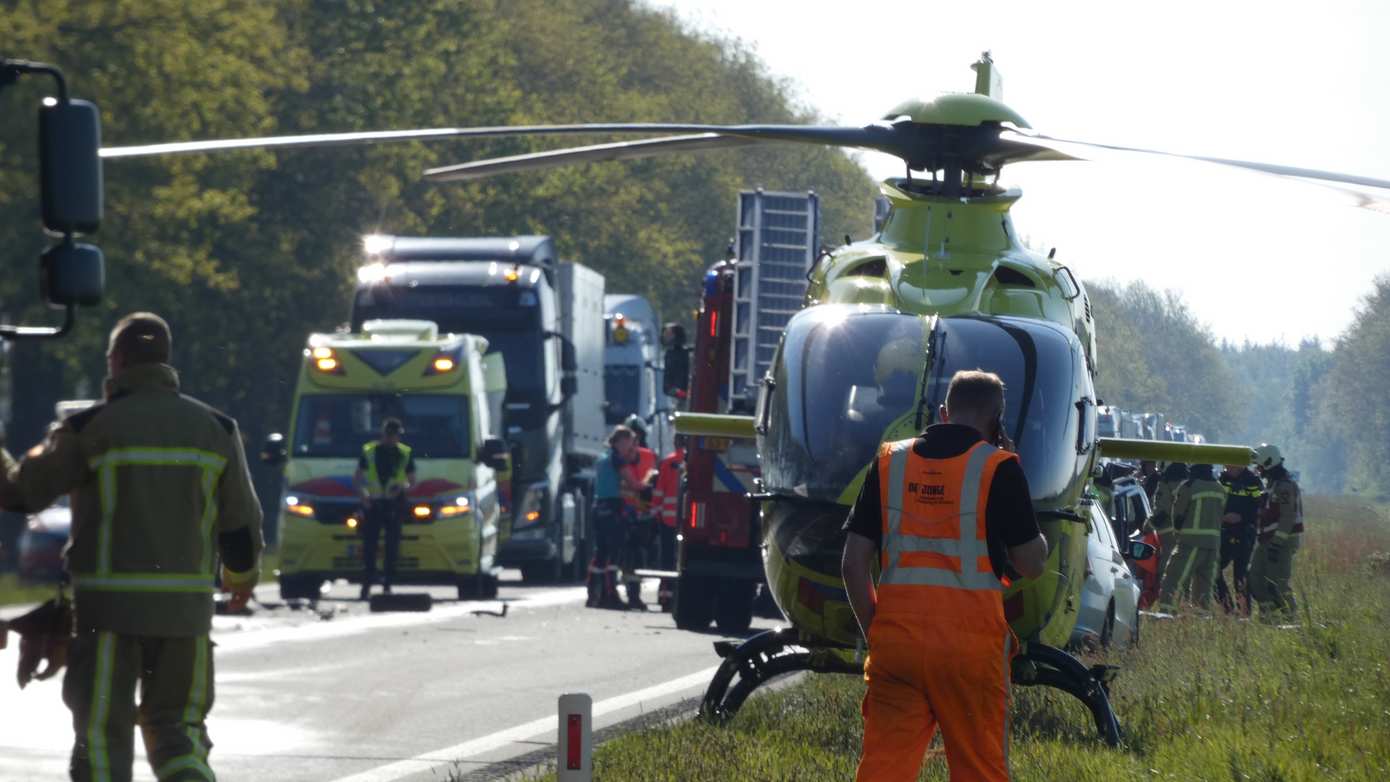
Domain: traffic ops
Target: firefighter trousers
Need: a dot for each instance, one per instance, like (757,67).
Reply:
(175,680)
(1166,541)
(1271,578)
(383,515)
(1190,573)
(920,679)
(1236,544)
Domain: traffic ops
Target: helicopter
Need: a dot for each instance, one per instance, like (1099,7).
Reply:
(945,284)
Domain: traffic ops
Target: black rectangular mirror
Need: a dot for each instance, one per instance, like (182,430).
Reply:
(72,274)
(70,181)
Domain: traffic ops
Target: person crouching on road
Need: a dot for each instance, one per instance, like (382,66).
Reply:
(610,514)
(160,492)
(947,513)
(385,471)
(1280,535)
(1198,507)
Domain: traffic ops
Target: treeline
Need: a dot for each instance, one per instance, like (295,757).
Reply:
(1328,410)
(245,253)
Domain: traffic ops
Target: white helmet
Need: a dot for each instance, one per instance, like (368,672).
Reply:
(1267,456)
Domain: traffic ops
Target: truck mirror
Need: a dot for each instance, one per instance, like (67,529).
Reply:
(494,453)
(1138,550)
(72,273)
(569,385)
(70,181)
(675,373)
(274,451)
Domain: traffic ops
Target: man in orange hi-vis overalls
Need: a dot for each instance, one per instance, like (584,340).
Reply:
(947,513)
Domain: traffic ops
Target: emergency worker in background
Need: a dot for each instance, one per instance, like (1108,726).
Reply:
(665,494)
(947,513)
(637,493)
(610,514)
(1197,509)
(1173,476)
(385,471)
(1149,477)
(160,492)
(1279,536)
(675,376)
(1243,492)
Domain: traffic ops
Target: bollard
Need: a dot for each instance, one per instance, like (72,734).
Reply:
(575,755)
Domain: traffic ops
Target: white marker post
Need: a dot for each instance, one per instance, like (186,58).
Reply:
(575,755)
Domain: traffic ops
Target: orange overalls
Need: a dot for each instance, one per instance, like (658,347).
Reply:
(939,647)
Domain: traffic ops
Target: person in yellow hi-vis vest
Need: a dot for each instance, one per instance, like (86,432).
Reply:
(385,472)
(1197,509)
(160,492)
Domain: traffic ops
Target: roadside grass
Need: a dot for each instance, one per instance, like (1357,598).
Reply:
(14,592)
(1203,698)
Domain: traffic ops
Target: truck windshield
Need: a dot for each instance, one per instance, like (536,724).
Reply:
(622,388)
(338,425)
(508,318)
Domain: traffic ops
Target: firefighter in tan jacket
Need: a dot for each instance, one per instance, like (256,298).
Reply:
(1280,535)
(160,493)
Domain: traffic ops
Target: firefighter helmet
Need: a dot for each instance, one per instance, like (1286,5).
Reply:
(1267,456)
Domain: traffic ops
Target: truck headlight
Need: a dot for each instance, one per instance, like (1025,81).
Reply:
(531,509)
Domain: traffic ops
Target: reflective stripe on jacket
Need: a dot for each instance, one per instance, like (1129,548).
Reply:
(377,487)
(1197,512)
(935,556)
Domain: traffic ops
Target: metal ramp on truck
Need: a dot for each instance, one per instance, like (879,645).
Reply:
(778,241)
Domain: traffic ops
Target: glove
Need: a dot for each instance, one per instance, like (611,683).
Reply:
(44,635)
(239,585)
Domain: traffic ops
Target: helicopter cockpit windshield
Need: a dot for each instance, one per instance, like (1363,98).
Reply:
(849,378)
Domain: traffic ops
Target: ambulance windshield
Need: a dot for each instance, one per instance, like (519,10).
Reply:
(338,425)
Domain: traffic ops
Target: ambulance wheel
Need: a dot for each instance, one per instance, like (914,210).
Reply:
(693,604)
(478,586)
(734,613)
(299,587)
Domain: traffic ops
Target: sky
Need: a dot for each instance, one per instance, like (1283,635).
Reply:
(1301,84)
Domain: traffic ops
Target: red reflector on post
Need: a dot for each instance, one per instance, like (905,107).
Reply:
(574,726)
(714,323)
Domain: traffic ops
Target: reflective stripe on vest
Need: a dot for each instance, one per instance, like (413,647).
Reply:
(375,485)
(960,561)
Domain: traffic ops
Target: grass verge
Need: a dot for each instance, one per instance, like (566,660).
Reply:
(1203,699)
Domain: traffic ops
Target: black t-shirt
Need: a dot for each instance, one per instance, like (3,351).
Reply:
(1009,519)
(386,458)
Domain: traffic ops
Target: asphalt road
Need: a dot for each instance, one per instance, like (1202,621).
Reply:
(344,694)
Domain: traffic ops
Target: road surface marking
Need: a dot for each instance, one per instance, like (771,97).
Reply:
(233,641)
(493,741)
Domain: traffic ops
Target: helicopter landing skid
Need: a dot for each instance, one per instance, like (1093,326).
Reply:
(765,656)
(1040,664)
(778,652)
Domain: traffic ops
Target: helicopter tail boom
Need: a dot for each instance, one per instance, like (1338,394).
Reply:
(1163,451)
(715,425)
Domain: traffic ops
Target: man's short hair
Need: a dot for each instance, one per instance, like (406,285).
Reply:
(392,426)
(141,338)
(975,391)
(619,434)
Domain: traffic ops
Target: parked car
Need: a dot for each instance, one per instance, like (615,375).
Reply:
(41,544)
(1109,614)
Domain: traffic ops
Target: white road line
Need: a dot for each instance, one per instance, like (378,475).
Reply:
(233,641)
(493,741)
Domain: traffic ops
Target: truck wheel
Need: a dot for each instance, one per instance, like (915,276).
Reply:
(299,587)
(478,586)
(694,602)
(734,613)
(546,572)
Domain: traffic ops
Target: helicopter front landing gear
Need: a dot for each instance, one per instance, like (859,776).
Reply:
(1040,664)
(763,657)
(778,652)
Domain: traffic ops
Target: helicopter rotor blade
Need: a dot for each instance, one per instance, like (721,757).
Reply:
(1344,183)
(621,150)
(870,137)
